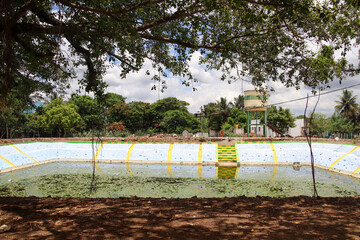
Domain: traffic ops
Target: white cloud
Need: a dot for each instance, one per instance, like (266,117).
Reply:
(137,87)
(327,100)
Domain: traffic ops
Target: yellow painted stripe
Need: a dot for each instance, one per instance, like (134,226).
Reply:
(355,180)
(200,170)
(97,167)
(237,171)
(169,170)
(274,172)
(11,173)
(23,153)
(343,157)
(356,170)
(170,152)
(200,153)
(216,155)
(237,154)
(7,161)
(96,156)
(341,181)
(129,152)
(98,151)
(274,152)
(129,169)
(332,175)
(169,160)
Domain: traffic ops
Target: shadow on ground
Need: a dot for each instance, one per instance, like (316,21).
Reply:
(146,218)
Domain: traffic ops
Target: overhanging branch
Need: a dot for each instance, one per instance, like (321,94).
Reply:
(177,15)
(175,41)
(110,12)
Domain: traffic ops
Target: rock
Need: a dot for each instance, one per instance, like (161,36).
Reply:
(186,134)
(4,228)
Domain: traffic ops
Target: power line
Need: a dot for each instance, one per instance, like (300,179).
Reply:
(315,95)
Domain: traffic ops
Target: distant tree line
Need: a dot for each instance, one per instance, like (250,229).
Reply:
(83,115)
(344,120)
(111,115)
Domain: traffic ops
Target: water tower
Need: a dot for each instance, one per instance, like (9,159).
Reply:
(256,101)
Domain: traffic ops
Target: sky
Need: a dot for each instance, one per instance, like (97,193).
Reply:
(209,88)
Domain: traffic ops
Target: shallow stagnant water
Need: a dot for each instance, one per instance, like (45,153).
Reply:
(172,181)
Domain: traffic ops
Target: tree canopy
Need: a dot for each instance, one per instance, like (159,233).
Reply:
(224,114)
(89,110)
(280,118)
(267,40)
(59,116)
(138,116)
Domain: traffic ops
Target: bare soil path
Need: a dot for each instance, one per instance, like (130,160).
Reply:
(147,218)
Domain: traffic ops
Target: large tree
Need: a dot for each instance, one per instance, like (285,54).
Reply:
(176,121)
(12,116)
(89,110)
(59,116)
(111,99)
(211,112)
(319,124)
(45,41)
(114,107)
(280,118)
(137,116)
(160,107)
(341,124)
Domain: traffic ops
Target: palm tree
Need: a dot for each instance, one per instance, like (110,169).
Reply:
(239,102)
(347,106)
(224,107)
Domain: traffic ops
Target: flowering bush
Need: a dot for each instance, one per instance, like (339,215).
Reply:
(116,127)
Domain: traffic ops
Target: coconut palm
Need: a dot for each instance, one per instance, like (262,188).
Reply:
(347,105)
(239,102)
(224,107)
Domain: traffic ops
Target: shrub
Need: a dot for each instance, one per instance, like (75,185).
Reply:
(116,126)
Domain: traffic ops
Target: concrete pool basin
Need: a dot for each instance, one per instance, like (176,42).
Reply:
(341,158)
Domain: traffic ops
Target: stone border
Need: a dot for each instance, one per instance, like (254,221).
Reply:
(172,139)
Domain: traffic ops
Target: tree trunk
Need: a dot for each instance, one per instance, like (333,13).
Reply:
(7,129)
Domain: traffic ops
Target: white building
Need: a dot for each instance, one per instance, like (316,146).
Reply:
(296,131)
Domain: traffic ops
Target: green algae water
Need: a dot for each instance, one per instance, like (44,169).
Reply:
(170,181)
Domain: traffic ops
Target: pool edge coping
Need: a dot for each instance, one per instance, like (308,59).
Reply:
(127,142)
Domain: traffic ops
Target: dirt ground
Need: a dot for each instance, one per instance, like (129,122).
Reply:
(173,139)
(194,218)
